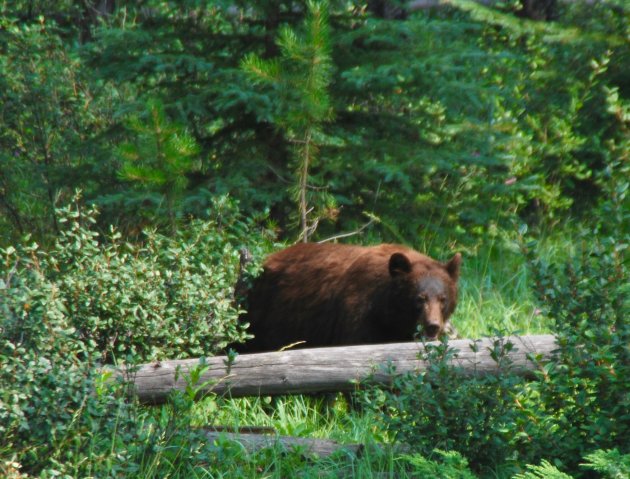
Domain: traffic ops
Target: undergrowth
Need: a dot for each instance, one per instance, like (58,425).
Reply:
(578,401)
(60,418)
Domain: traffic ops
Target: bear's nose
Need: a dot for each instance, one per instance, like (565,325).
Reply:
(432,330)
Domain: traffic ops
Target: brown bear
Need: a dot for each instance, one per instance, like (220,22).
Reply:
(333,295)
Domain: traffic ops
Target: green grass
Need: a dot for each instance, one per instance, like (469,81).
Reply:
(495,290)
(304,416)
(495,296)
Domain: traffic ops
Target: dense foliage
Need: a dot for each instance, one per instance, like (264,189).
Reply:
(89,301)
(162,298)
(445,124)
(198,128)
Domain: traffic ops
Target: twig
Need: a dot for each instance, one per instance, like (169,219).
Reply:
(351,233)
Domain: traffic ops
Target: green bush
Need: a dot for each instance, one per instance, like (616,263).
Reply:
(440,408)
(48,407)
(544,471)
(449,465)
(163,298)
(608,463)
(91,300)
(584,395)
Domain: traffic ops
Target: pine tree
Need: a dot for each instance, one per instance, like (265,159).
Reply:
(301,76)
(160,156)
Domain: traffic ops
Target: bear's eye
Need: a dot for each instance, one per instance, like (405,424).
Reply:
(442,298)
(421,300)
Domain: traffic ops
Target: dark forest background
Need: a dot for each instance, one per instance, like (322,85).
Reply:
(439,125)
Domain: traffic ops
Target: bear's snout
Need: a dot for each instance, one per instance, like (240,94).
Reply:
(432,330)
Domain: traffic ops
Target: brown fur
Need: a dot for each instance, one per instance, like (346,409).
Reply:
(332,294)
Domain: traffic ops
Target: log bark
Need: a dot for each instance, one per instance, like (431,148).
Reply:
(306,446)
(333,369)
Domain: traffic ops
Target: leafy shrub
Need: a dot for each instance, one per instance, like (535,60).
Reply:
(440,408)
(449,465)
(609,463)
(585,392)
(48,409)
(87,301)
(544,471)
(166,298)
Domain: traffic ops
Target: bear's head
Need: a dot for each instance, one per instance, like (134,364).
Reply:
(425,292)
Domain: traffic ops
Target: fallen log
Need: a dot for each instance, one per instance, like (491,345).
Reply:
(331,369)
(252,442)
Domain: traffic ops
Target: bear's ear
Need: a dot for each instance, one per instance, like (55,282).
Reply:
(453,266)
(399,264)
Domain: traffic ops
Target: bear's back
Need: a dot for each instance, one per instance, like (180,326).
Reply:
(332,261)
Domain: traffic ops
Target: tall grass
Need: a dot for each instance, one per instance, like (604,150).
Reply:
(495,295)
(495,289)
